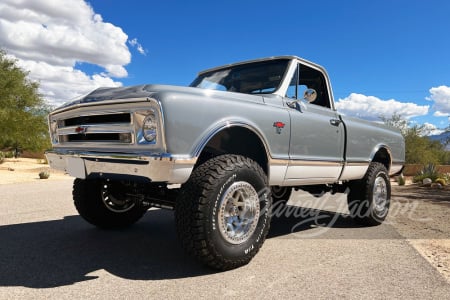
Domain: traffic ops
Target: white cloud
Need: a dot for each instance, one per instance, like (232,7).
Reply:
(431,129)
(49,37)
(134,42)
(372,108)
(62,83)
(441,97)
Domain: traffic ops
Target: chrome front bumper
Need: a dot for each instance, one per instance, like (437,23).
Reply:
(84,165)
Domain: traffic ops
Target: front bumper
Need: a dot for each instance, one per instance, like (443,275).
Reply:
(160,168)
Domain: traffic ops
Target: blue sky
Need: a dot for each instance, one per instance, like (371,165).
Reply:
(391,54)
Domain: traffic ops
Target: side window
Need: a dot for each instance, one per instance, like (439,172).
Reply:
(314,79)
(309,78)
(295,89)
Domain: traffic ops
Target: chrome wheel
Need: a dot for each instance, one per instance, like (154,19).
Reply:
(380,195)
(115,200)
(239,211)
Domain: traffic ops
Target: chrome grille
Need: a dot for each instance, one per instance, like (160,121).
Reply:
(98,119)
(96,128)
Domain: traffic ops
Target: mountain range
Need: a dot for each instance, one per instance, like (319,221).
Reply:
(443,138)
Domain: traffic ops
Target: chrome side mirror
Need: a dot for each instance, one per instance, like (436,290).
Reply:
(310,95)
(297,105)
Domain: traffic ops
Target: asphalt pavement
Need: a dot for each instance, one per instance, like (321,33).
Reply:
(48,252)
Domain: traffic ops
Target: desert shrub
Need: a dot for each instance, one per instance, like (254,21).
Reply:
(44,174)
(401,179)
(42,161)
(441,181)
(446,177)
(2,157)
(428,171)
(9,154)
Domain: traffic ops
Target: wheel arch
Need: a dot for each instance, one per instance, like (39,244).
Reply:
(383,155)
(235,138)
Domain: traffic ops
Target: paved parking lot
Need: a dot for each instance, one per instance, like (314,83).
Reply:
(48,251)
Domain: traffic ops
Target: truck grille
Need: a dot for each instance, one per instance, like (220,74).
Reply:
(101,128)
(98,119)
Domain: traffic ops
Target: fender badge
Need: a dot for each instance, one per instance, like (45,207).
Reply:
(279,126)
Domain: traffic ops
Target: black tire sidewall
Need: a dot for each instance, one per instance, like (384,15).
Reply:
(361,200)
(89,204)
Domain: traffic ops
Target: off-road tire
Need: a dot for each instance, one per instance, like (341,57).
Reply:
(200,211)
(87,196)
(369,198)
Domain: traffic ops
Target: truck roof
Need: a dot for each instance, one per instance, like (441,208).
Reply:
(287,57)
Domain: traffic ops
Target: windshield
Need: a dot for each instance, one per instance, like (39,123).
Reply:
(252,78)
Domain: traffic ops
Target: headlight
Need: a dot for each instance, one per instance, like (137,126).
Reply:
(149,128)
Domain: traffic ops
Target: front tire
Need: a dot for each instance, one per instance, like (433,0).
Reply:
(223,212)
(104,204)
(369,198)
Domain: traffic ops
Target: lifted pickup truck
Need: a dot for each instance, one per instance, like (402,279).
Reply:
(220,153)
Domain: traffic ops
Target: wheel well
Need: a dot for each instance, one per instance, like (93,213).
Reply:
(383,156)
(236,140)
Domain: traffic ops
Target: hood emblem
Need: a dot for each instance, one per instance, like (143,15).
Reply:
(81,129)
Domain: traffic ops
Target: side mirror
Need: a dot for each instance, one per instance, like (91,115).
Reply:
(297,105)
(310,95)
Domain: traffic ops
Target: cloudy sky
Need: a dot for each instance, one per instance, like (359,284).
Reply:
(383,57)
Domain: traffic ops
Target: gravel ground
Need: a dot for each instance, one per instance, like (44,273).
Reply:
(25,170)
(420,215)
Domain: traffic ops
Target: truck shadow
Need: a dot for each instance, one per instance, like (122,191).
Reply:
(63,252)
(301,222)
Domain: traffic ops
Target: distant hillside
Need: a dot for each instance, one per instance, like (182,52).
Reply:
(443,137)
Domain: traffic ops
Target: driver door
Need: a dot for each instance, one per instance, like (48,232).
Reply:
(316,149)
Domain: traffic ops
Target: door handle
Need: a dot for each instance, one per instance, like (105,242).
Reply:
(335,122)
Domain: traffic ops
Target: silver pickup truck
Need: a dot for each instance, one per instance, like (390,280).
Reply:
(221,153)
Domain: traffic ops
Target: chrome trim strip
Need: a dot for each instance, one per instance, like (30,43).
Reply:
(100,103)
(357,164)
(278,162)
(199,148)
(110,128)
(315,163)
(378,148)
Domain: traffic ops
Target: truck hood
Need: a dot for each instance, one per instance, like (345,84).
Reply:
(154,91)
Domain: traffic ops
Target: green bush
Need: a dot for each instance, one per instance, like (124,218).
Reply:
(428,171)
(9,154)
(2,157)
(401,179)
(446,177)
(44,175)
(42,161)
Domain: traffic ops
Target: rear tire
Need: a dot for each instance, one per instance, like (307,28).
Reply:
(369,198)
(104,205)
(223,212)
